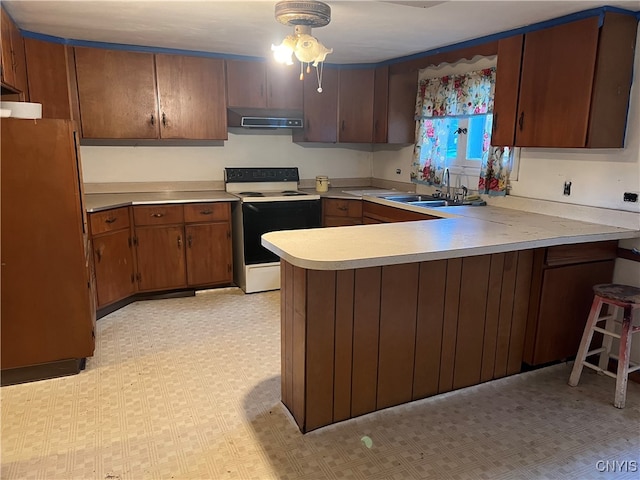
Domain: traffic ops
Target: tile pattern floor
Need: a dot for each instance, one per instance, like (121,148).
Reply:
(189,389)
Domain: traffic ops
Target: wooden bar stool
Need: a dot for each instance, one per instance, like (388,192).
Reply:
(619,297)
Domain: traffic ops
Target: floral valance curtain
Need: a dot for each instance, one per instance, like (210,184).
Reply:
(440,99)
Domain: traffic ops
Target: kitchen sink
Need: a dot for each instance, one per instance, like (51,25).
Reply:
(423,200)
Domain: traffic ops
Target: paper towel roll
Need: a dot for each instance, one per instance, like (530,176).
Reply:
(23,109)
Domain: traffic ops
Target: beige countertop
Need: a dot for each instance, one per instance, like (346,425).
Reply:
(460,232)
(95,202)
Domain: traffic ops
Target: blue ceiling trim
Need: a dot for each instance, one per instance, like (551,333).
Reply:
(600,11)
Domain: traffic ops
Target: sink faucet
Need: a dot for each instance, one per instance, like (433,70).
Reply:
(448,182)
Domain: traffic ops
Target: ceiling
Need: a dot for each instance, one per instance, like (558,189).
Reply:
(359,31)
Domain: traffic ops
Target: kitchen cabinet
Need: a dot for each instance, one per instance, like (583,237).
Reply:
(47,313)
(256,84)
(160,244)
(113,258)
(355,106)
(320,109)
(209,251)
(378,213)
(574,85)
(14,70)
(132,95)
(183,245)
(403,88)
(51,78)
(380,104)
(338,212)
(561,296)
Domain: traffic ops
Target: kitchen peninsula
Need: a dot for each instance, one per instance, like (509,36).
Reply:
(379,315)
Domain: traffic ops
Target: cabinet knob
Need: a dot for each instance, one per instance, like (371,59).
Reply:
(157,215)
(179,241)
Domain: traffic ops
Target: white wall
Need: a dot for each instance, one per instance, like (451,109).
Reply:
(107,164)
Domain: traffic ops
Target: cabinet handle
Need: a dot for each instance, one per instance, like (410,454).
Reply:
(343,209)
(133,277)
(157,215)
(153,120)
(495,123)
(164,120)
(343,125)
(206,212)
(189,241)
(99,251)
(179,241)
(110,220)
(521,121)
(261,91)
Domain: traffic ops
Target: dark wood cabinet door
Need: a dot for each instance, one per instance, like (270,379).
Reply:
(8,72)
(320,109)
(246,84)
(403,88)
(505,109)
(48,80)
(380,104)
(558,67)
(284,87)
(209,254)
(161,257)
(355,106)
(117,94)
(565,299)
(191,96)
(114,268)
(19,62)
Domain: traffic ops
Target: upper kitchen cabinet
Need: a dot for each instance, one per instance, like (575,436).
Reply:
(403,88)
(320,109)
(380,104)
(256,84)
(51,78)
(191,96)
(14,70)
(575,81)
(355,106)
(131,95)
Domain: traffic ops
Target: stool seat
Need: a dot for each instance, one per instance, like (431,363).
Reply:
(617,297)
(614,291)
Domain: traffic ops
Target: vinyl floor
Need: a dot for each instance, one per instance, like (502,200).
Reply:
(189,388)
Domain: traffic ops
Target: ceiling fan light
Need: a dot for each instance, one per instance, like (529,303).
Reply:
(283,53)
(310,50)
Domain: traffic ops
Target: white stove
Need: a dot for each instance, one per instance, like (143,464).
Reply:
(270,200)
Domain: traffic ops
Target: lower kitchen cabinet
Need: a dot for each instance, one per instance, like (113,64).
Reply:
(209,250)
(112,255)
(561,296)
(338,212)
(161,257)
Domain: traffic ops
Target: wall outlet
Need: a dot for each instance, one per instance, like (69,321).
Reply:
(630,197)
(567,189)
(398,171)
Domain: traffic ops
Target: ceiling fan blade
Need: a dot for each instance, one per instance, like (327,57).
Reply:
(418,4)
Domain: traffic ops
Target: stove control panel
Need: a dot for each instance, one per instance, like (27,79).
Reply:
(258,174)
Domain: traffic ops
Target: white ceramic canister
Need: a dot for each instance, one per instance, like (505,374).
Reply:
(322,183)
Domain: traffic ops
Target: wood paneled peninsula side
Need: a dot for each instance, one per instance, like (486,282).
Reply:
(379,315)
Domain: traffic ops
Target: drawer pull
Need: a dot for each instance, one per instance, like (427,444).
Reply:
(110,220)
(206,212)
(343,209)
(157,215)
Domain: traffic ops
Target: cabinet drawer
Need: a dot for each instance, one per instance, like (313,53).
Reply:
(207,212)
(342,208)
(581,252)
(158,214)
(109,220)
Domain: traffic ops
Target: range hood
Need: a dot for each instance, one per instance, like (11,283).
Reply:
(264,118)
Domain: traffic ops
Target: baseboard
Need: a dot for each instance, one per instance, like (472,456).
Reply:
(43,371)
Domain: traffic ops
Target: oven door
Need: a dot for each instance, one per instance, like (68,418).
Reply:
(263,217)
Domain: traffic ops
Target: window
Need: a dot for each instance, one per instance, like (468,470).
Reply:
(465,140)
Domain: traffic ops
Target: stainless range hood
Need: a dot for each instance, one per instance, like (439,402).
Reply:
(267,118)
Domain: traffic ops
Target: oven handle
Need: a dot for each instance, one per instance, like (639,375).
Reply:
(252,207)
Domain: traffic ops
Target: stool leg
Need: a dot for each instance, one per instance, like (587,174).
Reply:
(607,341)
(594,314)
(623,360)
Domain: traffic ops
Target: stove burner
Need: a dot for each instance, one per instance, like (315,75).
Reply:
(252,194)
(290,193)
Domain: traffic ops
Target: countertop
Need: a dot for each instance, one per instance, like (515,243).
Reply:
(95,202)
(460,232)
